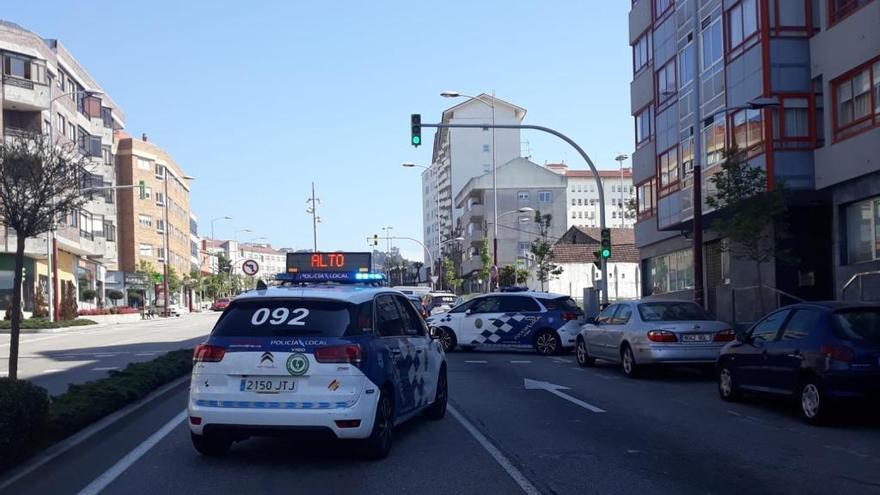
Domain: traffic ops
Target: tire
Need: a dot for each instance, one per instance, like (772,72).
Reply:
(447,339)
(628,362)
(727,384)
(813,404)
(378,445)
(582,354)
(211,445)
(437,409)
(548,343)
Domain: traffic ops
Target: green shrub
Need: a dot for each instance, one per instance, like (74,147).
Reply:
(89,294)
(114,295)
(43,323)
(23,413)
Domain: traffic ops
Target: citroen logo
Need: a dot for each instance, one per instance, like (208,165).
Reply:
(267,358)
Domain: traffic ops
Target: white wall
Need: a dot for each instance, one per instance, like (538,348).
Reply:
(623,280)
(585,190)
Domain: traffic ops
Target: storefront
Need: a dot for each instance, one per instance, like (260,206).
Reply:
(7,273)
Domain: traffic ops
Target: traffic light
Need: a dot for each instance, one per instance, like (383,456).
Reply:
(416,122)
(605,252)
(598,261)
(142,188)
(375,239)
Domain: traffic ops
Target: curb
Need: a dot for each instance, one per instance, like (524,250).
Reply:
(77,438)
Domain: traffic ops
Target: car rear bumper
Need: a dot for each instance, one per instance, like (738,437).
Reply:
(853,385)
(677,353)
(275,414)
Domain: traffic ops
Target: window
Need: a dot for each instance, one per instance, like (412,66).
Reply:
(487,167)
(623,315)
(160,225)
(686,65)
(686,150)
(768,328)
(522,195)
(107,155)
(672,311)
(519,304)
(18,66)
(145,250)
(613,214)
(485,148)
(801,323)
(71,131)
(160,253)
(148,192)
(606,315)
(580,202)
(491,304)
(545,196)
(748,129)
(667,164)
(160,171)
(573,201)
(666,86)
(642,52)
(389,321)
(840,9)
(145,220)
(713,140)
(863,231)
(742,21)
(661,6)
(144,164)
(644,125)
(160,198)
(671,272)
(107,117)
(857,100)
(109,230)
(712,46)
(580,214)
(413,324)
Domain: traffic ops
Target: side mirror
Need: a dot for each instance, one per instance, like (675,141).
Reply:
(467,312)
(743,338)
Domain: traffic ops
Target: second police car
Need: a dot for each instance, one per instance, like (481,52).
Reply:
(351,359)
(546,322)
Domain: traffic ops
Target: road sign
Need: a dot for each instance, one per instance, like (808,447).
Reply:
(250,267)
(434,278)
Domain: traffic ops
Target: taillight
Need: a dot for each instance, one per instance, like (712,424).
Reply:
(837,353)
(205,353)
(725,336)
(348,353)
(568,316)
(662,336)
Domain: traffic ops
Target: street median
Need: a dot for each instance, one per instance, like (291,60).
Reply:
(31,421)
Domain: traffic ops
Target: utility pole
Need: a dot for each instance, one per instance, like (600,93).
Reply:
(313,210)
(697,223)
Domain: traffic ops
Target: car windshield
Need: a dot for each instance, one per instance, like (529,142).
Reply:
(560,304)
(672,311)
(273,317)
(861,324)
(443,300)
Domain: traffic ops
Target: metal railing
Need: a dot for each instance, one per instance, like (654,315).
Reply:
(750,310)
(859,279)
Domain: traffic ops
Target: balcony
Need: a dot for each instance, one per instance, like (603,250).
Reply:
(24,94)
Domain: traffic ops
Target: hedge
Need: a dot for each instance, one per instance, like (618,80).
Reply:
(41,323)
(30,420)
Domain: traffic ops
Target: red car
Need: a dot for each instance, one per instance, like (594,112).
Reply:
(220,304)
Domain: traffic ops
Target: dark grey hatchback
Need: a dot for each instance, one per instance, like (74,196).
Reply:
(821,354)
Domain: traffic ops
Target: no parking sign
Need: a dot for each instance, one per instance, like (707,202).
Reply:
(250,267)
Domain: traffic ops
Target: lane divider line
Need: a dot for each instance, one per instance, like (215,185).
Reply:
(477,362)
(527,487)
(56,450)
(520,362)
(106,368)
(101,482)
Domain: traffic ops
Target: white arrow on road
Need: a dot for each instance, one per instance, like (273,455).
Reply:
(555,390)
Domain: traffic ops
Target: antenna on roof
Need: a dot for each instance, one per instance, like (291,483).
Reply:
(261,285)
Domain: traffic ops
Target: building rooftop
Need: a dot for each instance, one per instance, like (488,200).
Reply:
(584,253)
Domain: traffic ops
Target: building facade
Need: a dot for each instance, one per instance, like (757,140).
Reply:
(461,154)
(583,197)
(788,82)
(145,220)
(524,188)
(46,90)
(574,253)
(271,261)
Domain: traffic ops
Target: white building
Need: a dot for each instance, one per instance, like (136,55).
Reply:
(583,197)
(574,253)
(271,261)
(461,154)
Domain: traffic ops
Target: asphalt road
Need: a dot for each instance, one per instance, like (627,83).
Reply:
(81,354)
(668,433)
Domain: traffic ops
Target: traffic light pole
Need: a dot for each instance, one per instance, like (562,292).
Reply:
(604,284)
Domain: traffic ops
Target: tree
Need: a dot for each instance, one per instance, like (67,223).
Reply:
(41,309)
(451,274)
(174,281)
(509,275)
(114,295)
(485,261)
(39,182)
(69,310)
(751,216)
(542,249)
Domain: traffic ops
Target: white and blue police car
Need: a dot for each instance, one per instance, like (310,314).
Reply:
(330,351)
(545,322)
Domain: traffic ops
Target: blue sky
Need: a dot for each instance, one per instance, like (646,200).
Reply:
(259,101)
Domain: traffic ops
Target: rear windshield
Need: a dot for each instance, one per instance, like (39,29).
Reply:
(274,317)
(862,324)
(560,304)
(672,311)
(441,300)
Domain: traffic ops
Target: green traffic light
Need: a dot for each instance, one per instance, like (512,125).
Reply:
(416,140)
(606,253)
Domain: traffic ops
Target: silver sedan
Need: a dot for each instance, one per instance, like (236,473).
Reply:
(639,333)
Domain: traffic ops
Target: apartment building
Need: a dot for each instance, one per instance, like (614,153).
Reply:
(524,187)
(583,197)
(789,81)
(461,154)
(45,89)
(163,209)
(271,261)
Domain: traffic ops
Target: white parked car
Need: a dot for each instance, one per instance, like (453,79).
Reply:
(640,333)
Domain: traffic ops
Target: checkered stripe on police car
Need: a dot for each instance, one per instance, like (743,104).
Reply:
(238,404)
(413,381)
(500,327)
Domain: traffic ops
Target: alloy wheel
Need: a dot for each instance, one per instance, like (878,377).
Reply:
(810,400)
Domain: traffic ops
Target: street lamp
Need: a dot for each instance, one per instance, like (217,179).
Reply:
(225,217)
(167,250)
(456,94)
(620,159)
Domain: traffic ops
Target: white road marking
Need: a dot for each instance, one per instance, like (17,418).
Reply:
(117,469)
(562,360)
(106,368)
(555,390)
(520,362)
(476,362)
(104,354)
(146,353)
(55,370)
(848,451)
(516,474)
